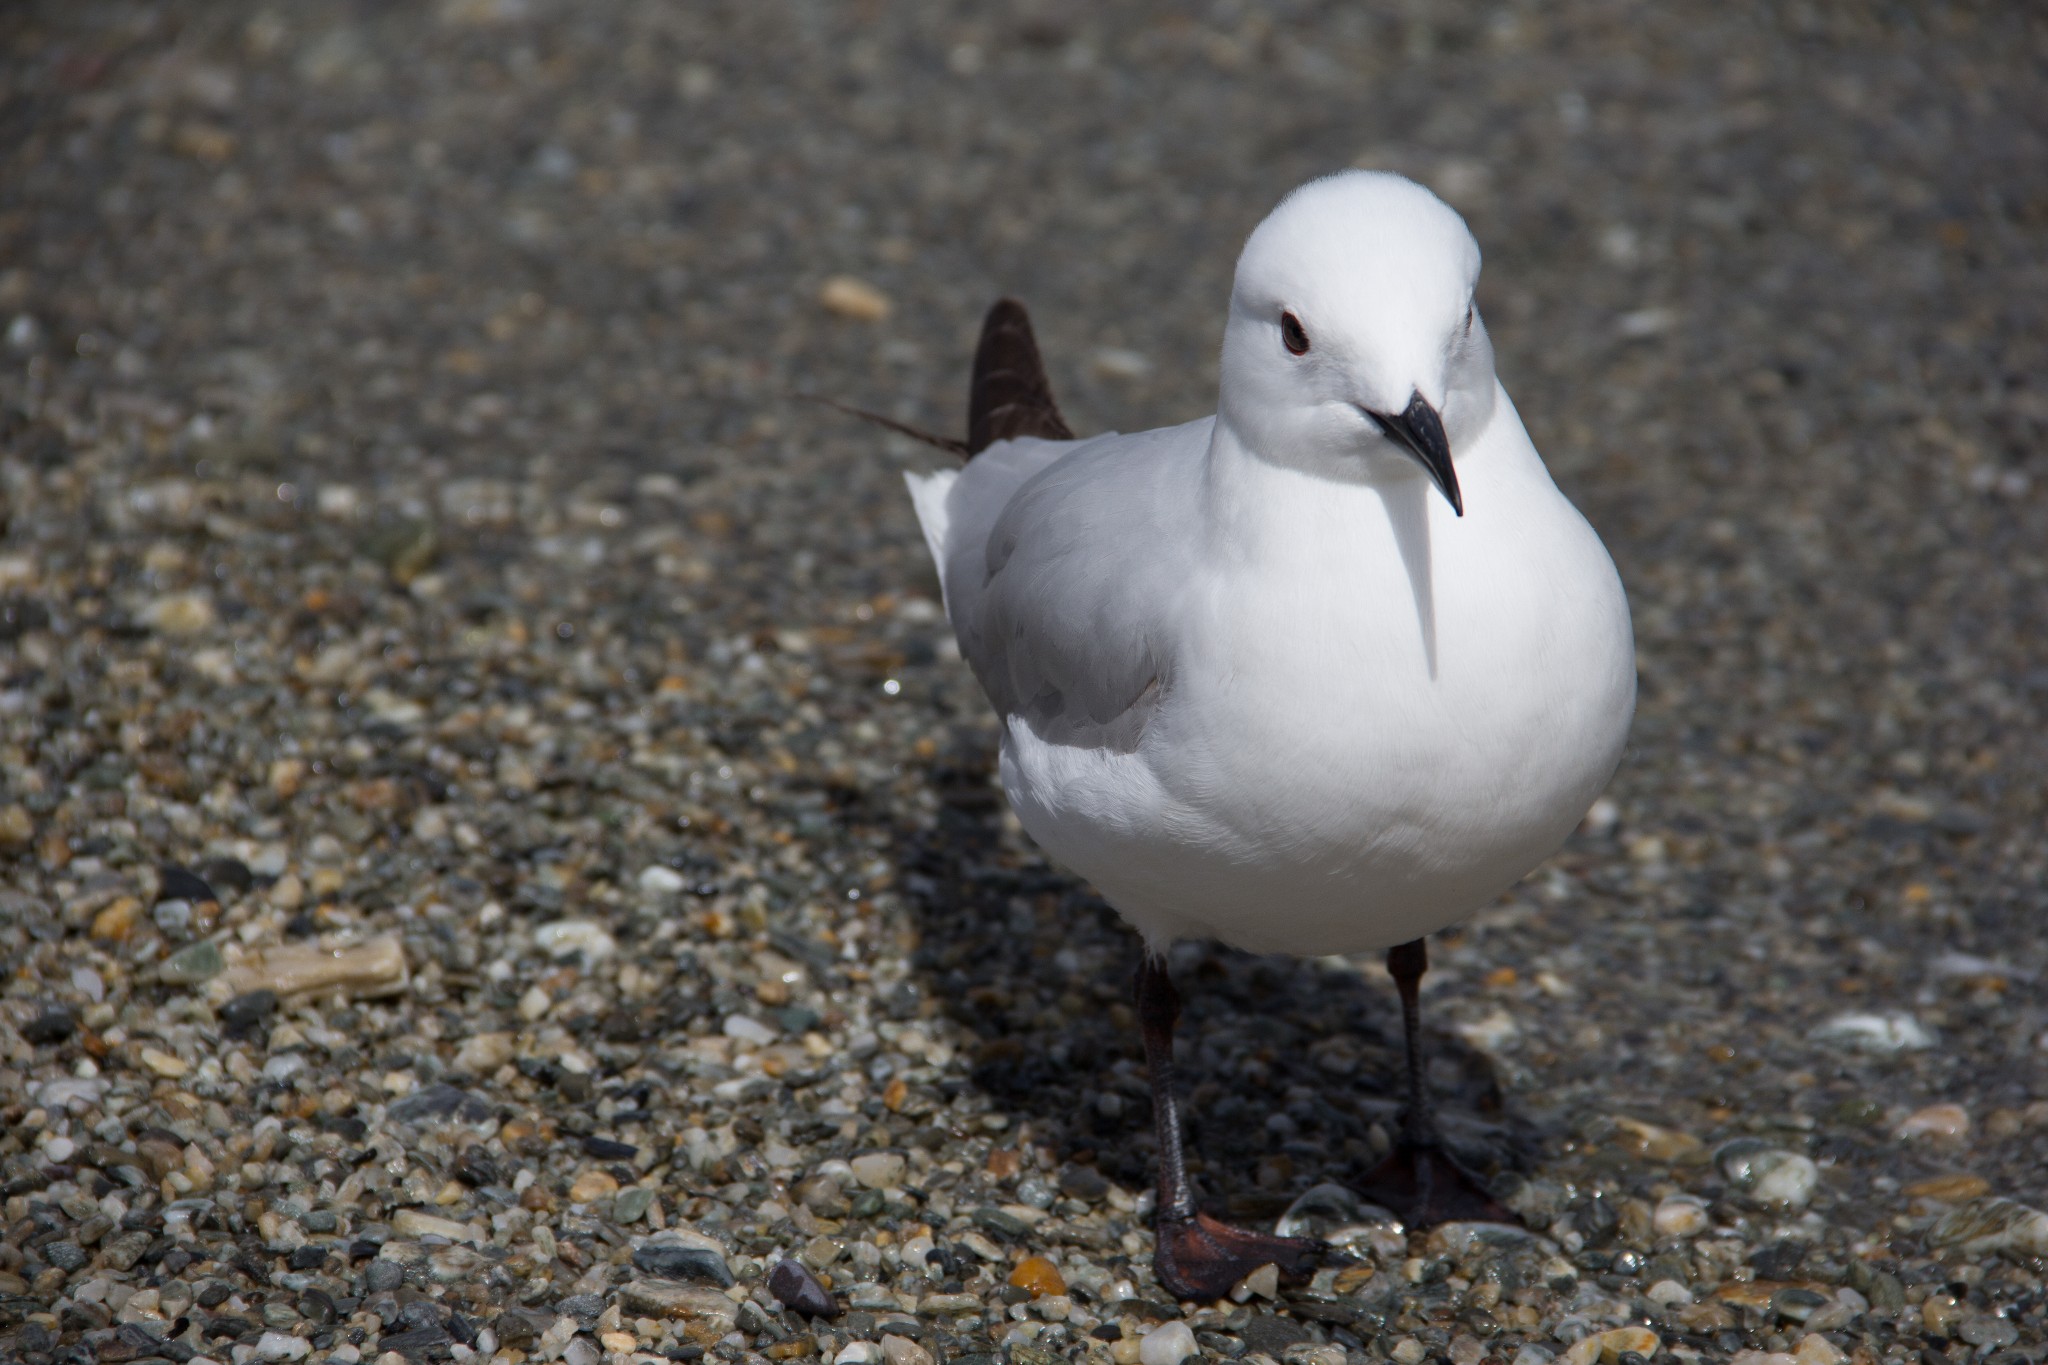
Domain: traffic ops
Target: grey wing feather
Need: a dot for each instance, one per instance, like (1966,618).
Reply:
(1071,622)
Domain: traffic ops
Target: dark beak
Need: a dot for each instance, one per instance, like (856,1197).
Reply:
(1422,431)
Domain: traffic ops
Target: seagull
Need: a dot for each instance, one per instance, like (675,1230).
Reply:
(1322,673)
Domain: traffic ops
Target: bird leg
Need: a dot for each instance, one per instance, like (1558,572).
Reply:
(1420,1179)
(1197,1257)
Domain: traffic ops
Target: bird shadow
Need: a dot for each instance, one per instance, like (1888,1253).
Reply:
(1292,1070)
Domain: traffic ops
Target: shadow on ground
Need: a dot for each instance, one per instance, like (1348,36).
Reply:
(1291,1069)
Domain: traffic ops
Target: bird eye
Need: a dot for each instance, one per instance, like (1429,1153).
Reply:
(1292,334)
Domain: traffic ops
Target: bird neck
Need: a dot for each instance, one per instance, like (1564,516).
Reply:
(1261,508)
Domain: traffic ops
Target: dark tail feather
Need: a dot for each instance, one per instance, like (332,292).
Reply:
(946,443)
(1010,395)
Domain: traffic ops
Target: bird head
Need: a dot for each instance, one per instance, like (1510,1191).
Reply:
(1354,349)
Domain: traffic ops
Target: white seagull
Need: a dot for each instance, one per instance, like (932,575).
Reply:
(1322,673)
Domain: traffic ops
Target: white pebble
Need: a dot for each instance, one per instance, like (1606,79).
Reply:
(1791,1182)
(661,881)
(1680,1215)
(858,1353)
(1167,1344)
(748,1029)
(564,938)
(282,1346)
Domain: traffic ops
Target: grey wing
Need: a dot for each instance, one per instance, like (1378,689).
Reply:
(1075,625)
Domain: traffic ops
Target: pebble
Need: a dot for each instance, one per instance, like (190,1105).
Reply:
(592,1185)
(1037,1276)
(671,1262)
(1992,1223)
(116,922)
(1815,1349)
(1880,1033)
(164,1064)
(1654,1142)
(483,1053)
(858,1353)
(899,1350)
(662,1298)
(415,1223)
(282,1346)
(1948,1189)
(661,881)
(365,971)
(878,1170)
(181,613)
(1769,1175)
(192,964)
(797,1289)
(632,1205)
(1943,1122)
(1680,1215)
(1167,1344)
(748,1029)
(1263,1283)
(854,298)
(566,938)
(1987,1331)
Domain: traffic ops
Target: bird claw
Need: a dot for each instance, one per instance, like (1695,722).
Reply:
(1426,1185)
(1202,1259)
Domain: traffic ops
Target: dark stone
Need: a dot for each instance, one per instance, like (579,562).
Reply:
(476,1169)
(420,1313)
(440,1101)
(1778,1261)
(231,873)
(212,1294)
(244,1013)
(519,1328)
(307,1258)
(383,1276)
(1000,1223)
(1272,1335)
(1084,1183)
(673,1262)
(1341,1314)
(605,1149)
(51,1026)
(182,884)
(1106,1331)
(65,1255)
(798,1290)
(583,1307)
(417,1344)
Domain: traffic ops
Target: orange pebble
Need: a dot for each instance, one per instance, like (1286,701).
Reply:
(1038,1276)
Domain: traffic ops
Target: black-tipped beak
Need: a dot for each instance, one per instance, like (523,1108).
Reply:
(1422,431)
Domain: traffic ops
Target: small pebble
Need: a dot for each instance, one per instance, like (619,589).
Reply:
(1167,1344)
(1680,1215)
(1037,1276)
(1943,1122)
(796,1288)
(853,298)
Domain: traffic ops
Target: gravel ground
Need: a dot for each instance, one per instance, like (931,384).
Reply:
(498,849)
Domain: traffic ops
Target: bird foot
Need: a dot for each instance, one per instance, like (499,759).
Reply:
(1202,1259)
(1426,1186)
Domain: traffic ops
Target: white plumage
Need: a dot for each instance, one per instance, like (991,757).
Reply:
(1258,681)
